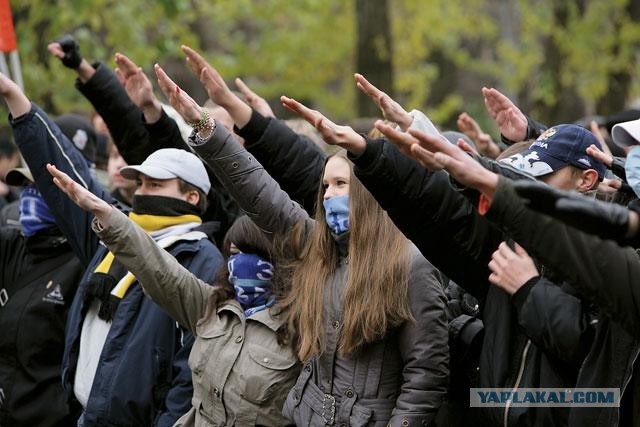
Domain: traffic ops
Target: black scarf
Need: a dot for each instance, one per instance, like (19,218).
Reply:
(100,285)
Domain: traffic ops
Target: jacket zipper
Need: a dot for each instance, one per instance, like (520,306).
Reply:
(626,382)
(517,384)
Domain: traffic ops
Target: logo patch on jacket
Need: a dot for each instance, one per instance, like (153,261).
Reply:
(54,296)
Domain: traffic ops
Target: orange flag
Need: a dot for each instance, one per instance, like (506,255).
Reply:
(8,41)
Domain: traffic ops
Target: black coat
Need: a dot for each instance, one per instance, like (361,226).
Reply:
(293,160)
(602,270)
(38,279)
(518,349)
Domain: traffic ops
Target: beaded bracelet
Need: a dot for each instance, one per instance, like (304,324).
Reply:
(201,124)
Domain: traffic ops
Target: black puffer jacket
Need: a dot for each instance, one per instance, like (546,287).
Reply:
(38,279)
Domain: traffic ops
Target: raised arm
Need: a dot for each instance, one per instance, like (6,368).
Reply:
(101,87)
(41,142)
(293,160)
(244,178)
(163,131)
(607,280)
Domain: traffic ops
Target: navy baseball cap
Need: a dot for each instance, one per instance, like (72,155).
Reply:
(556,148)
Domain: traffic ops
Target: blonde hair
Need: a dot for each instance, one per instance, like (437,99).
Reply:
(376,293)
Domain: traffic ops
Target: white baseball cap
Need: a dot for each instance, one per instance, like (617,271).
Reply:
(169,163)
(626,134)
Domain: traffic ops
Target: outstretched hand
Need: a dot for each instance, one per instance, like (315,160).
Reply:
(332,134)
(511,121)
(435,153)
(483,141)
(81,196)
(217,89)
(67,50)
(391,110)
(254,100)
(137,84)
(596,153)
(189,109)
(213,82)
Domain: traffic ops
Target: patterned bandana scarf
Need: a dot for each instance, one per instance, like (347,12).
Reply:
(104,283)
(336,212)
(34,212)
(251,277)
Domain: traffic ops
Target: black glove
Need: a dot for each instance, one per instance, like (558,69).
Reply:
(606,220)
(72,58)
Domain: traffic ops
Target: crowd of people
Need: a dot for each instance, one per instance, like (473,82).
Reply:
(186,265)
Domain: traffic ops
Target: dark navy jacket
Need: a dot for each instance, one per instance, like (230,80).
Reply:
(142,378)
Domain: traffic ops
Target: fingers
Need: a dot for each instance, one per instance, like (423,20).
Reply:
(464,146)
(463,122)
(489,102)
(594,151)
(127,66)
(501,257)
(56,50)
(312,116)
(365,86)
(167,85)
(434,143)
(402,140)
(520,250)
(613,183)
(121,78)
(496,99)
(600,155)
(244,89)
(215,85)
(195,60)
(61,179)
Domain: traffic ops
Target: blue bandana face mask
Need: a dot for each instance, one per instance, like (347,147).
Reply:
(632,169)
(251,277)
(336,212)
(34,212)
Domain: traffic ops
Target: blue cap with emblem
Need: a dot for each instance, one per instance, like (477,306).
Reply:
(556,148)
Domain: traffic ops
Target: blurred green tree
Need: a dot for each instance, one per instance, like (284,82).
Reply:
(557,60)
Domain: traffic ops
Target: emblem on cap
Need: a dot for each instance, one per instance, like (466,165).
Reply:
(547,134)
(80,139)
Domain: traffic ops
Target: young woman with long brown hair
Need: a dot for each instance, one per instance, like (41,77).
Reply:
(366,311)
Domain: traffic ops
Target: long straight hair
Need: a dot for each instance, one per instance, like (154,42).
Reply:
(375,297)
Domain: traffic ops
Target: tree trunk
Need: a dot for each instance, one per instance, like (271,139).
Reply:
(616,98)
(373,51)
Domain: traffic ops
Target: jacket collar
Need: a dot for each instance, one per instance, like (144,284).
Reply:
(272,322)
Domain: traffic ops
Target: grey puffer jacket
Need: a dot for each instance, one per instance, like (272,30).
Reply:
(400,380)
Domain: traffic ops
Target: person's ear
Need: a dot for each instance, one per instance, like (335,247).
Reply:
(588,180)
(193,197)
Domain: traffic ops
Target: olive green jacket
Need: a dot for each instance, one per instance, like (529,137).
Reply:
(241,375)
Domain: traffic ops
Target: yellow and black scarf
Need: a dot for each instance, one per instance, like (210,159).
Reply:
(110,280)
